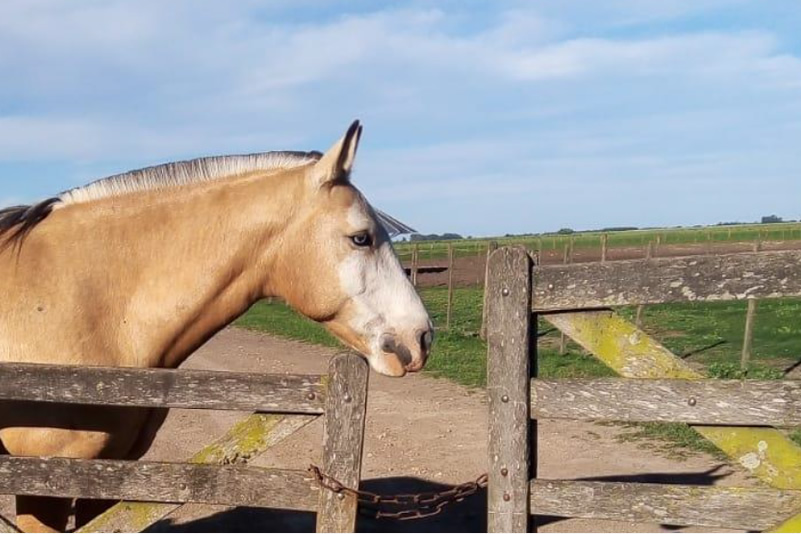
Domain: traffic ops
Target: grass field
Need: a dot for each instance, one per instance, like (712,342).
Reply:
(708,335)
(627,238)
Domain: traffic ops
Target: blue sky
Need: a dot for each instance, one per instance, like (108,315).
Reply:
(482,118)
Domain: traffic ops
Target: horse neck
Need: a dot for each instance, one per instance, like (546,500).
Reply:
(186,263)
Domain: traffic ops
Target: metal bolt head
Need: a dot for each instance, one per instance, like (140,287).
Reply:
(347,397)
(505,292)
(341,496)
(691,401)
(507,497)
(311,396)
(550,286)
(505,398)
(504,472)
(183,486)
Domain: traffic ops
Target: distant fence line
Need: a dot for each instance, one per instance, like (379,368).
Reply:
(614,239)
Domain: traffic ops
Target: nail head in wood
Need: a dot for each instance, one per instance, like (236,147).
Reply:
(505,398)
(691,401)
(505,292)
(507,497)
(504,472)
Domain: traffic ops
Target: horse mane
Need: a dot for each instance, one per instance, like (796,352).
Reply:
(18,221)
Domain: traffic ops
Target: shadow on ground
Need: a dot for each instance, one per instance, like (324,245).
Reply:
(469,515)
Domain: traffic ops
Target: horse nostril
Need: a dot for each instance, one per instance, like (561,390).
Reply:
(388,344)
(426,339)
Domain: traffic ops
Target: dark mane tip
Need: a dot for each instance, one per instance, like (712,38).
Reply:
(17,222)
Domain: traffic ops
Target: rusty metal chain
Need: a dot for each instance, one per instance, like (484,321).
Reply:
(414,505)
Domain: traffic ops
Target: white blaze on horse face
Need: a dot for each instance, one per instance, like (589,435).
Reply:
(383,301)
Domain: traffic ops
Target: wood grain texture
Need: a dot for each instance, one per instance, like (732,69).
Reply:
(167,388)
(657,280)
(343,440)
(245,441)
(508,297)
(230,485)
(704,402)
(706,506)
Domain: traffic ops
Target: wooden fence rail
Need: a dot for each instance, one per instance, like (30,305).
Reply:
(700,402)
(340,396)
(661,280)
(163,388)
(737,416)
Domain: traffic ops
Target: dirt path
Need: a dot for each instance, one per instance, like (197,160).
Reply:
(421,433)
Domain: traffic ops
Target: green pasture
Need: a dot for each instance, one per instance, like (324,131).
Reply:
(707,335)
(627,238)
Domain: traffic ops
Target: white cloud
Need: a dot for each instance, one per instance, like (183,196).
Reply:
(515,103)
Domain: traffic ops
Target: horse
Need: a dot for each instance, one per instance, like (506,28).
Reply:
(140,269)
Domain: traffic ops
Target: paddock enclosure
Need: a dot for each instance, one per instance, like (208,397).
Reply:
(217,474)
(742,418)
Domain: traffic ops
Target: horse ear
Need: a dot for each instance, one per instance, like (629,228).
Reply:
(336,164)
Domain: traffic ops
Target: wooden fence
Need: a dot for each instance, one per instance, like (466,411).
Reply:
(216,475)
(737,416)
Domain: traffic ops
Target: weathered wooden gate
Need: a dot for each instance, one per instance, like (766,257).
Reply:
(340,397)
(737,416)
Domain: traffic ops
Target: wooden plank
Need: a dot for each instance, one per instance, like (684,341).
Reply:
(706,402)
(343,440)
(765,452)
(508,378)
(704,506)
(245,441)
(696,278)
(228,485)
(162,388)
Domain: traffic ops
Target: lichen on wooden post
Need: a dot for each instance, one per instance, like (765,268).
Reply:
(245,441)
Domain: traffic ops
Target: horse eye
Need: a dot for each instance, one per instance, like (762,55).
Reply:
(362,240)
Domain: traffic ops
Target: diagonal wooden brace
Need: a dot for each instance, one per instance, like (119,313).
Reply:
(765,452)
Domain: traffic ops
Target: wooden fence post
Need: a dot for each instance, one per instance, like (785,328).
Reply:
(343,440)
(649,253)
(604,245)
(491,247)
(450,286)
(415,263)
(562,337)
(509,322)
(748,337)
